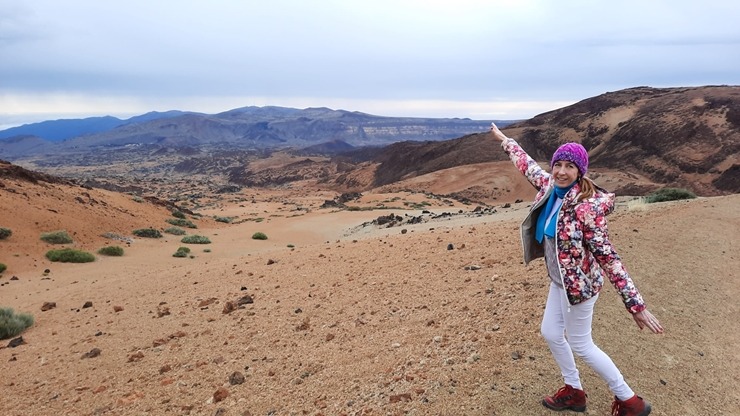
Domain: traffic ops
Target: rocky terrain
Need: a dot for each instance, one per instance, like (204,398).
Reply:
(391,281)
(408,303)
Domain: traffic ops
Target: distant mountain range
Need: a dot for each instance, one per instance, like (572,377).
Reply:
(60,130)
(242,128)
(687,137)
(672,137)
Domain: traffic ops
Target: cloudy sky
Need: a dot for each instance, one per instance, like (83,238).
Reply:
(482,59)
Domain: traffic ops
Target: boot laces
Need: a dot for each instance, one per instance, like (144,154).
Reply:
(564,393)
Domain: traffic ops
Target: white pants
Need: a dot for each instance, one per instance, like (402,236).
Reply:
(576,323)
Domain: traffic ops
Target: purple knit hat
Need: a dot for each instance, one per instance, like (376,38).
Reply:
(572,152)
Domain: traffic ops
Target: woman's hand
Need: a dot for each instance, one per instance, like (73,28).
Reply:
(646,319)
(497,133)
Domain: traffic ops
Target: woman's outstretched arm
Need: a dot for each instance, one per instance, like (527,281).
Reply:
(498,134)
(538,177)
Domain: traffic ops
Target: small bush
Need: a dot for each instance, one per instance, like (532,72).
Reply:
(111,251)
(259,236)
(291,246)
(3,267)
(56,237)
(637,204)
(195,239)
(206,250)
(12,324)
(181,222)
(178,214)
(148,233)
(223,219)
(69,255)
(669,194)
(138,199)
(182,252)
(5,233)
(175,231)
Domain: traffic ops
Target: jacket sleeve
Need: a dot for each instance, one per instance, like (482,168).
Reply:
(538,177)
(596,239)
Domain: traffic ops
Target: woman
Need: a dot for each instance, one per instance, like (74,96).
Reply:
(567,226)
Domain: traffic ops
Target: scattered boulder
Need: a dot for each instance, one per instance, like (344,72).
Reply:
(95,352)
(48,306)
(303,326)
(205,302)
(349,196)
(16,342)
(236,378)
(330,203)
(220,394)
(244,300)
(162,311)
(405,397)
(229,307)
(388,220)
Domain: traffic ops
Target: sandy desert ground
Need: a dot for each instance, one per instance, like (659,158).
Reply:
(329,317)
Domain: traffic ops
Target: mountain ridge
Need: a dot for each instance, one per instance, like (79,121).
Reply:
(639,140)
(246,127)
(63,129)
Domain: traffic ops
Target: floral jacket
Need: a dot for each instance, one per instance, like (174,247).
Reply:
(585,253)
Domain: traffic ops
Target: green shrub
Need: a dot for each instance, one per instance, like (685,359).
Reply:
(5,233)
(12,324)
(178,214)
(69,255)
(3,267)
(259,236)
(669,194)
(291,246)
(181,222)
(111,251)
(56,237)
(206,250)
(138,199)
(195,239)
(175,231)
(223,219)
(182,252)
(148,233)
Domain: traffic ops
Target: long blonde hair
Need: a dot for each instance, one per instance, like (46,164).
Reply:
(587,187)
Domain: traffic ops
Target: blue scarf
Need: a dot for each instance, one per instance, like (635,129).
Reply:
(540,232)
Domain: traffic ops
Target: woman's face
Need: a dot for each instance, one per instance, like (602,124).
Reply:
(564,172)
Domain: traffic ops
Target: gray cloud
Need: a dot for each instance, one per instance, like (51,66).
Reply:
(407,50)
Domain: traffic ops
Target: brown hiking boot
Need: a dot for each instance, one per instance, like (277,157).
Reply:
(634,406)
(566,398)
